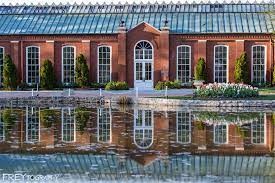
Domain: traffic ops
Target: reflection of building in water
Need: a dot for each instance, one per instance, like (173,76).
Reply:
(2,129)
(258,130)
(220,134)
(183,127)
(32,125)
(104,125)
(68,125)
(143,128)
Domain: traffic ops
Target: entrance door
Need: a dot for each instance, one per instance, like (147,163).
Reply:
(143,65)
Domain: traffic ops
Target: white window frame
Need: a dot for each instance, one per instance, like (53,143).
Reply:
(265,60)
(190,128)
(144,60)
(102,46)
(62,126)
(62,62)
(1,76)
(227,62)
(265,132)
(190,60)
(27,70)
(143,127)
(27,123)
(214,133)
(99,111)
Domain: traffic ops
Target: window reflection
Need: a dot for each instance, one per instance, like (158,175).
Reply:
(143,128)
(32,125)
(258,130)
(68,125)
(104,125)
(183,127)
(2,129)
(220,134)
(1,64)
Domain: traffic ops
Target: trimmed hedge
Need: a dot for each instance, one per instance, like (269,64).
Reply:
(161,85)
(116,85)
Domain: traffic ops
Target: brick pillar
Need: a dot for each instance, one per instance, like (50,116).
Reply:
(86,51)
(15,56)
(122,37)
(164,53)
(49,54)
(199,135)
(238,139)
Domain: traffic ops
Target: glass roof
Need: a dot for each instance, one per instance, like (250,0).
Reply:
(98,19)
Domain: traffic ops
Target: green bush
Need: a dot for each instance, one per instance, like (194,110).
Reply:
(9,73)
(273,76)
(81,71)
(49,117)
(117,85)
(47,77)
(97,85)
(200,70)
(161,85)
(241,73)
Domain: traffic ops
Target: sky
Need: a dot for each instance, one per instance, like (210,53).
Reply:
(114,1)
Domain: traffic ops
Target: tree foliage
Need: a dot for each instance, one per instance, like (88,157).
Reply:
(81,71)
(47,77)
(9,73)
(200,70)
(241,73)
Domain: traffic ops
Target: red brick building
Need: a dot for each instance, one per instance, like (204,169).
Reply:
(140,44)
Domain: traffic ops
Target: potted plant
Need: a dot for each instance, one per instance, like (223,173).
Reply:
(200,73)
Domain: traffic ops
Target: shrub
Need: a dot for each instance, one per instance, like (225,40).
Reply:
(161,85)
(9,73)
(273,75)
(98,85)
(82,117)
(200,70)
(116,85)
(224,90)
(81,71)
(47,78)
(48,117)
(241,74)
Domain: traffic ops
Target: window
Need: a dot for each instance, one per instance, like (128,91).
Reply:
(2,52)
(68,125)
(143,51)
(258,64)
(220,134)
(104,64)
(220,64)
(32,125)
(143,128)
(68,64)
(183,127)
(2,129)
(184,63)
(258,130)
(104,125)
(32,67)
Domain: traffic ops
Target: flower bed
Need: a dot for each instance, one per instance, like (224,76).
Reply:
(226,90)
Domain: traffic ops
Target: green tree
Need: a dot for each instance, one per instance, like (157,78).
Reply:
(9,73)
(273,76)
(241,74)
(47,77)
(200,70)
(81,71)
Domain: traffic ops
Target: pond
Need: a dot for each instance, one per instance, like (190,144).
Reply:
(139,143)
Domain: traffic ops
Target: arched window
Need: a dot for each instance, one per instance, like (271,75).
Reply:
(220,64)
(258,64)
(143,129)
(183,127)
(32,65)
(184,63)
(2,53)
(104,125)
(258,130)
(68,64)
(220,134)
(144,50)
(32,125)
(104,64)
(68,125)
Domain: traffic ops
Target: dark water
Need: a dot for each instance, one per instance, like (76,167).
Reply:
(136,144)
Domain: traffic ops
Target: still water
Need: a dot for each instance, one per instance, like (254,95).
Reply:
(136,144)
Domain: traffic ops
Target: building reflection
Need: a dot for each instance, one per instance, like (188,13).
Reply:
(145,133)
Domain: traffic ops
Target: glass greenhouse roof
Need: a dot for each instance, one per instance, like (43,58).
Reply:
(102,19)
